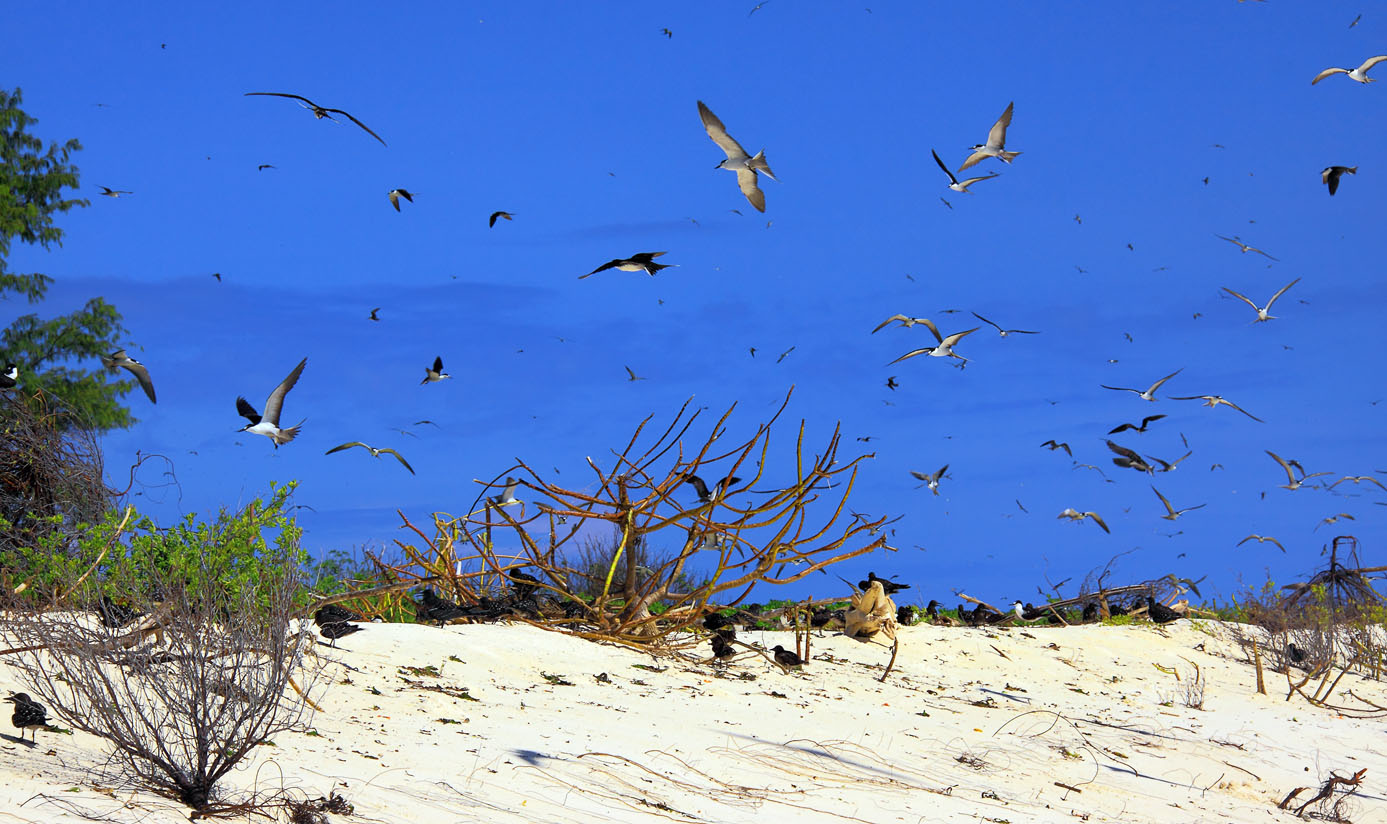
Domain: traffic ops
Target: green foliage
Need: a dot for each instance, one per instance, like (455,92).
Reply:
(1119,621)
(32,179)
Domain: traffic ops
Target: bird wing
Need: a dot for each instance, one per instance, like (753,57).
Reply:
(141,374)
(912,354)
(276,400)
(395,199)
(888,322)
(1149,418)
(608,265)
(1123,428)
(1119,389)
(973,159)
(401,459)
(746,181)
(359,123)
(952,179)
(1125,452)
(1242,298)
(1289,477)
(699,486)
(953,339)
(935,329)
(997,137)
(1157,384)
(1099,521)
(1240,409)
(941,472)
(986,321)
(341,447)
(919,476)
(1281,292)
(1327,72)
(1370,62)
(1229,239)
(1168,508)
(1250,538)
(718,132)
(245,410)
(282,94)
(629,372)
(438,363)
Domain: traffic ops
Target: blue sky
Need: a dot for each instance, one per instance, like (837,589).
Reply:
(582,121)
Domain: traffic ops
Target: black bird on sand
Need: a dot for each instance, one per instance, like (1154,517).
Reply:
(337,629)
(722,647)
(115,616)
(932,610)
(334,614)
(434,608)
(1090,612)
(888,587)
(786,658)
(905,616)
(525,584)
(704,495)
(28,713)
(1160,613)
(1117,609)
(1296,655)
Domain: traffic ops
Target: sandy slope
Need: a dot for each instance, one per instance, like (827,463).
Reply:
(964,729)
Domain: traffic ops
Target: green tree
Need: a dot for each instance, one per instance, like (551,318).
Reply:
(50,352)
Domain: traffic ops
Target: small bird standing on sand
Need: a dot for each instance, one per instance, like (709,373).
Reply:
(338,629)
(28,714)
(115,616)
(737,160)
(786,658)
(722,647)
(118,359)
(1331,174)
(432,608)
(1160,613)
(996,143)
(435,374)
(268,423)
(1360,74)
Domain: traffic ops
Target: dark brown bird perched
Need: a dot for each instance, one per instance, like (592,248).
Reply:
(786,658)
(28,714)
(888,587)
(1160,613)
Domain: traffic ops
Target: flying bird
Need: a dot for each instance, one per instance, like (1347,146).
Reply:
(1360,74)
(1052,445)
(375,453)
(507,496)
(706,495)
(1004,332)
(1263,312)
(737,159)
(396,194)
(906,323)
(263,166)
(494,215)
(1262,539)
(945,349)
(1292,482)
(961,188)
(1129,459)
(1333,519)
(1215,400)
(374,316)
(632,375)
(1169,466)
(1171,513)
(931,481)
(268,423)
(1149,394)
(1144,423)
(785,354)
(1075,515)
(1357,479)
(436,373)
(996,141)
(1237,241)
(667,33)
(105,192)
(642,262)
(891,383)
(1331,174)
(118,359)
(320,112)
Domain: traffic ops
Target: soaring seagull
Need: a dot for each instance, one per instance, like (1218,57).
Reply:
(319,112)
(268,423)
(996,141)
(1263,312)
(954,184)
(1075,515)
(1216,400)
(1004,332)
(1238,242)
(945,349)
(737,159)
(1262,539)
(1360,74)
(1171,513)
(118,359)
(375,453)
(1292,482)
(640,262)
(1331,174)
(1148,395)
(906,322)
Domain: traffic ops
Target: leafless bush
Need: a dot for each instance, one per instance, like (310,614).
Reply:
(1193,694)
(185,693)
(50,477)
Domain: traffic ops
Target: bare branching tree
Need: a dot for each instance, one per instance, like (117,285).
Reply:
(183,693)
(753,522)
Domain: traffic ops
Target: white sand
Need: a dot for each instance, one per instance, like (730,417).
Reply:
(693,742)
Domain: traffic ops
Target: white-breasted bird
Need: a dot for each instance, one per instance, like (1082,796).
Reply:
(1149,394)
(954,183)
(10,377)
(1216,400)
(1292,482)
(1331,174)
(507,496)
(945,349)
(1243,247)
(1003,332)
(995,145)
(375,452)
(1262,539)
(396,194)
(1171,513)
(435,374)
(1263,312)
(737,160)
(267,424)
(931,480)
(906,322)
(639,262)
(119,360)
(1360,74)
(1075,515)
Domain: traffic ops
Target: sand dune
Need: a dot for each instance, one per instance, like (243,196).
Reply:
(508,723)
